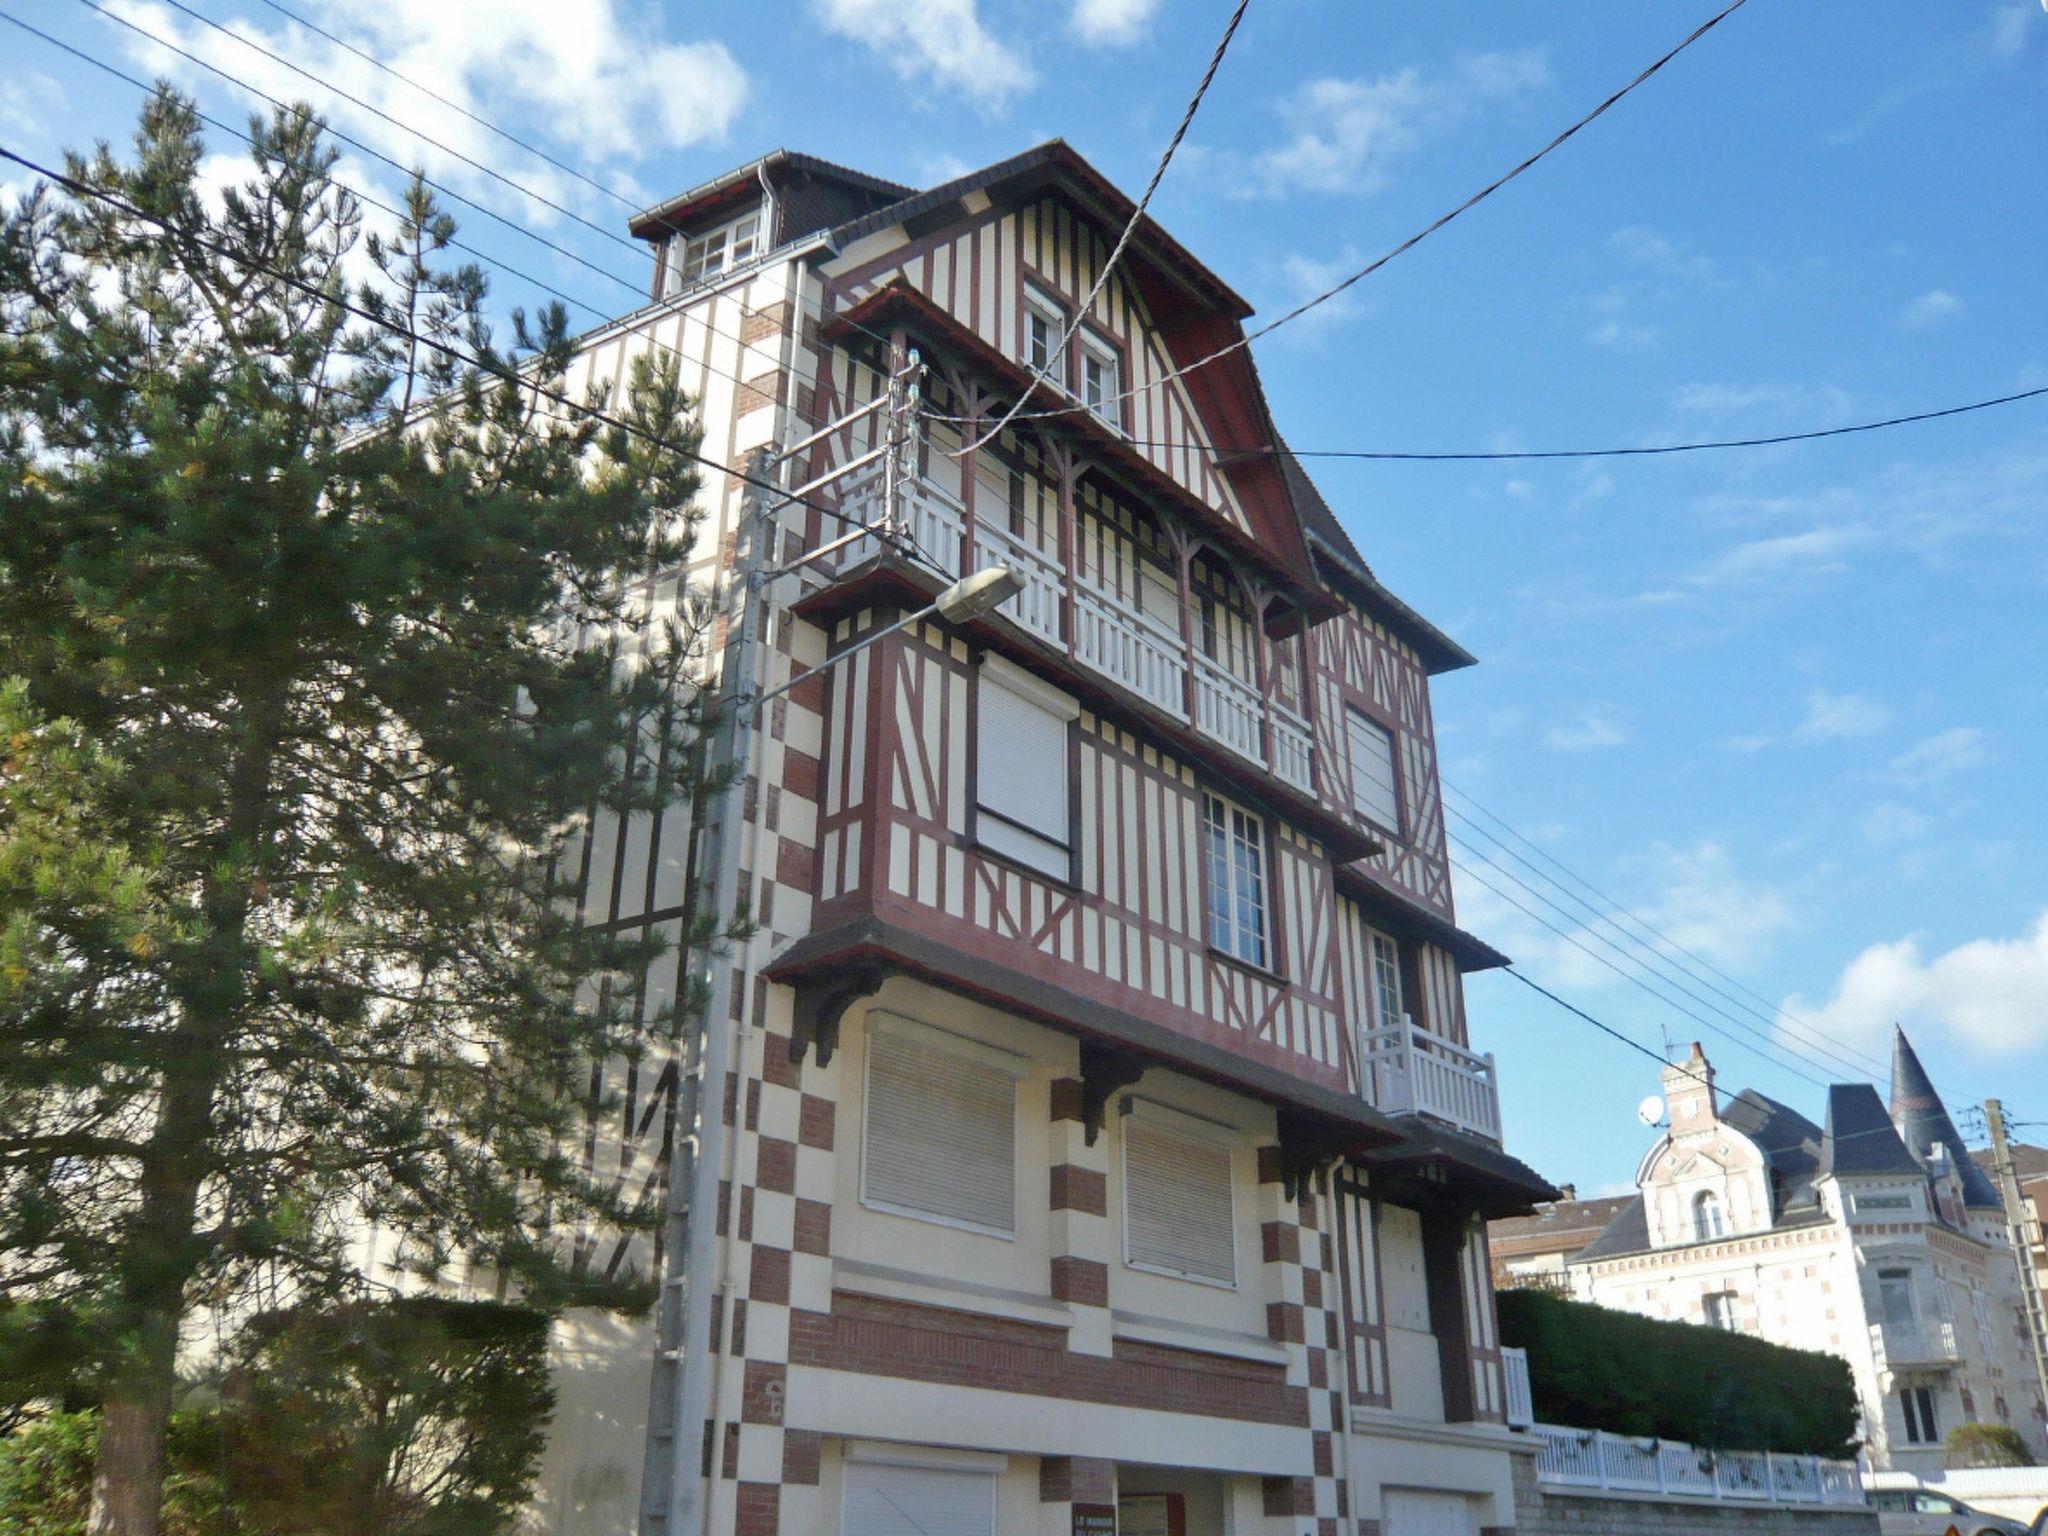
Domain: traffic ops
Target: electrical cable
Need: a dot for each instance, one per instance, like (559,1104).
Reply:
(1040,373)
(1411,242)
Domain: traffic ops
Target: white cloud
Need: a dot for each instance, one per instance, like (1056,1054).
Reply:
(1785,558)
(940,40)
(1931,308)
(592,84)
(1893,824)
(1113,23)
(1942,755)
(2007,35)
(1989,994)
(1591,730)
(1651,251)
(1836,716)
(1346,135)
(1303,277)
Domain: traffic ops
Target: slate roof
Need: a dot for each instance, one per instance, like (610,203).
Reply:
(1924,1120)
(1628,1232)
(1790,1142)
(1861,1138)
(1560,1226)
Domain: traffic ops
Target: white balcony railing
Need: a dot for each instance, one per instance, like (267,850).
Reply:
(1591,1458)
(1408,1071)
(1227,709)
(1514,1370)
(1930,1341)
(1131,649)
(1037,607)
(1293,749)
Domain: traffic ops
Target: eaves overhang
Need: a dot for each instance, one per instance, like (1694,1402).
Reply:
(1470,951)
(897,302)
(873,941)
(1434,1164)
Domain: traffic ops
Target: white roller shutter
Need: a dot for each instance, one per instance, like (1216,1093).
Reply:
(940,1135)
(917,1501)
(1178,1213)
(1372,770)
(1021,768)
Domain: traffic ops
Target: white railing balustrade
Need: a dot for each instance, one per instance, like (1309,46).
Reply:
(1408,1071)
(1930,1341)
(1569,1459)
(1037,606)
(1227,709)
(1293,749)
(1514,1370)
(1131,649)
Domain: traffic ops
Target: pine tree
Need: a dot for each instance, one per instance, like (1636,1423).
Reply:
(322,640)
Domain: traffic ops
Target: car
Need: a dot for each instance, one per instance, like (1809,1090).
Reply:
(1923,1512)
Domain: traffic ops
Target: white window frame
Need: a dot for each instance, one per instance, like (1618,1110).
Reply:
(723,239)
(1718,1308)
(1039,305)
(1241,830)
(1922,1423)
(1707,1204)
(1000,828)
(1104,354)
(1387,986)
(1903,1279)
(974,1053)
(1366,783)
(1164,1120)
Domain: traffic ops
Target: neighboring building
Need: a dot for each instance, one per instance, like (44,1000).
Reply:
(2030,1168)
(1107,1132)
(1532,1250)
(1875,1237)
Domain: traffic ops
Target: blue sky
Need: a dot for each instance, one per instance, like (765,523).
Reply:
(1789,706)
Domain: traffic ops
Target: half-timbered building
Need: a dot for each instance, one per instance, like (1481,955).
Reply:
(1107,1144)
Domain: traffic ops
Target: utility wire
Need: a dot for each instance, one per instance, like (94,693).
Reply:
(1413,240)
(454,106)
(1041,372)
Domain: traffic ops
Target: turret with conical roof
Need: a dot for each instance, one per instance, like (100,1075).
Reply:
(1923,1121)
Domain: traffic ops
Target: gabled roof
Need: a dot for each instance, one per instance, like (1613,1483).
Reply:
(2028,1162)
(1860,1138)
(1558,1226)
(1924,1122)
(1790,1143)
(742,180)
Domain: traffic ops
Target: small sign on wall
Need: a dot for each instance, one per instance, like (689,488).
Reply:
(1094,1520)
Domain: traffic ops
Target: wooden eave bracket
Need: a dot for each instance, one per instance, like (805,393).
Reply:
(1307,1152)
(820,1007)
(1104,1074)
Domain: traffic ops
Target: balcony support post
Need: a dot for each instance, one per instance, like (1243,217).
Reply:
(1067,466)
(1183,561)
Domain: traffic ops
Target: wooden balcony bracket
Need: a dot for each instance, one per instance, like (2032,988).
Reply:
(1306,1153)
(1104,1074)
(821,1006)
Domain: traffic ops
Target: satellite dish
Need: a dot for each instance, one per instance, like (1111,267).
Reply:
(1651,1111)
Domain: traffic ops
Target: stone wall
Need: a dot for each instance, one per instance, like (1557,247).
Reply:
(1542,1512)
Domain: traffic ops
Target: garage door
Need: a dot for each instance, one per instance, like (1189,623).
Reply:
(1415,1512)
(917,1501)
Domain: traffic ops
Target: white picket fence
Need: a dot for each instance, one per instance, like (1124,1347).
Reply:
(1593,1458)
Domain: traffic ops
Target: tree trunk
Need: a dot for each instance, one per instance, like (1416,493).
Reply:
(127,1483)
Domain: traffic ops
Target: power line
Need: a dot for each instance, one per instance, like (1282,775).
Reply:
(1415,239)
(1043,370)
(455,106)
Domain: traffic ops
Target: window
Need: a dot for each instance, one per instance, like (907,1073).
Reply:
(695,257)
(1373,794)
(1386,981)
(917,1501)
(1918,1403)
(1021,769)
(1895,1297)
(1043,327)
(1234,847)
(1102,381)
(1719,1307)
(1179,1217)
(1706,1217)
(939,1137)
(1937,1504)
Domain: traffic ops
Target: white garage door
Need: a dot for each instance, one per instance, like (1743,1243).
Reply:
(917,1501)
(1413,1512)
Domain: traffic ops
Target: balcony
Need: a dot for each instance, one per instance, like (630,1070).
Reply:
(1408,1071)
(1929,1344)
(1100,630)
(1572,1459)
(1521,1404)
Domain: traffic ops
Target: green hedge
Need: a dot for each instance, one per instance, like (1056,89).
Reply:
(1594,1368)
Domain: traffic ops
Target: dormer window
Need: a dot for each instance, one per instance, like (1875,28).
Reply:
(1043,325)
(692,258)
(1706,1217)
(1102,380)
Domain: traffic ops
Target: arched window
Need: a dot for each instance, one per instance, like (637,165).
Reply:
(1706,1216)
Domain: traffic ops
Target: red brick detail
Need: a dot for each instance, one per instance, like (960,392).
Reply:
(1284,1322)
(1080,1189)
(809,694)
(768,1276)
(796,864)
(775,1165)
(746,1232)
(801,1452)
(813,1226)
(1084,1282)
(759,392)
(717,1322)
(732,1095)
(724,1222)
(776,1067)
(878,1336)
(729,1463)
(753,1103)
(1076,1480)
(1327,1526)
(1496,1530)
(1066,1099)
(799,773)
(761,1392)
(1319,1445)
(1318,1369)
(1308,1212)
(1280,1242)
(1312,1288)
(758,1509)
(760,324)
(1284,1496)
(815,1118)
(739,1328)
